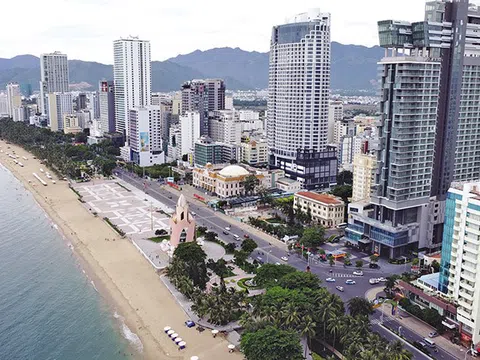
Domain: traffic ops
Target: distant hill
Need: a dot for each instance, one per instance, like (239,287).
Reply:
(353,68)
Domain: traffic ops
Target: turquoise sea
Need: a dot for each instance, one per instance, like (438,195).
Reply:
(49,308)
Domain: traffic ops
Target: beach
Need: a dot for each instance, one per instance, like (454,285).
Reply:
(121,275)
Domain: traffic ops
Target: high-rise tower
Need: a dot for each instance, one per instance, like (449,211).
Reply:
(53,76)
(298,94)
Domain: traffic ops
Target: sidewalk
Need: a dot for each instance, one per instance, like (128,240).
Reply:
(419,327)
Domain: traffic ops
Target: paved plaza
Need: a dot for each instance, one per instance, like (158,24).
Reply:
(126,209)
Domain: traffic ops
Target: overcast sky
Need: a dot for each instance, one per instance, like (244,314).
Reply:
(85,29)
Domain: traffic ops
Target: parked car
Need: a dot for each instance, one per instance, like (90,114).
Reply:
(433,334)
(350,282)
(236,237)
(373,281)
(284,258)
(227,228)
(373,266)
(358,273)
(340,288)
(225,232)
(189,323)
(330,280)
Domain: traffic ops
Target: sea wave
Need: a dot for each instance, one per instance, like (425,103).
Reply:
(128,334)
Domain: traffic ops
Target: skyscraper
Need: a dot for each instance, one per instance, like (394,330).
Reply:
(59,105)
(53,76)
(204,96)
(14,100)
(107,106)
(429,127)
(298,94)
(132,78)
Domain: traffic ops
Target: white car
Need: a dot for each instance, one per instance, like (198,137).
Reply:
(373,281)
(277,263)
(284,258)
(330,280)
(382,279)
(358,273)
(350,282)
(227,228)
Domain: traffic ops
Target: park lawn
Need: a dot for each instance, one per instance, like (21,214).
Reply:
(159,239)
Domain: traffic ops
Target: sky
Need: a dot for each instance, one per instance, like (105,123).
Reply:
(85,29)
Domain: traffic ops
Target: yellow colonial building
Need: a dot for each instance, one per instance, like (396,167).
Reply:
(227,182)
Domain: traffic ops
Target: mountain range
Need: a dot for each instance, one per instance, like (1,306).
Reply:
(353,67)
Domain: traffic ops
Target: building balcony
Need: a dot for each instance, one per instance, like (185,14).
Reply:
(465,305)
(463,316)
(465,295)
(466,286)
(468,277)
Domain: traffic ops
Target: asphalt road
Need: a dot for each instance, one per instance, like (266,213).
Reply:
(270,253)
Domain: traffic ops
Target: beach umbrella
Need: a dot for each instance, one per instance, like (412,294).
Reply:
(166,328)
(178,340)
(174,336)
(231,347)
(194,358)
(214,333)
(182,344)
(170,332)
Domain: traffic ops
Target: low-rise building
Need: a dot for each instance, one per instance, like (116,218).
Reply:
(255,153)
(288,185)
(208,151)
(227,182)
(71,124)
(325,209)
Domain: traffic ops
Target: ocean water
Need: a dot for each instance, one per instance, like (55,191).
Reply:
(49,308)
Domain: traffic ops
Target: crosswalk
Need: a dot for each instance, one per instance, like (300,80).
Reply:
(342,275)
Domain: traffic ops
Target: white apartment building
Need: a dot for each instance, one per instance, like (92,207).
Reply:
(53,76)
(58,104)
(174,143)
(132,78)
(14,100)
(106,104)
(248,115)
(254,152)
(343,128)
(364,167)
(335,113)
(145,136)
(460,265)
(190,131)
(71,124)
(298,96)
(3,104)
(224,127)
(229,102)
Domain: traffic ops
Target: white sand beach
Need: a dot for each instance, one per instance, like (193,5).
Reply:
(122,276)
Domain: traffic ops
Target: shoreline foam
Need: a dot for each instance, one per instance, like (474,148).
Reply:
(120,273)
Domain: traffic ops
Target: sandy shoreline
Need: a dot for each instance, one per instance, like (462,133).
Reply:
(121,275)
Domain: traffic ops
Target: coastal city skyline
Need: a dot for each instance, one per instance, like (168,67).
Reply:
(245,25)
(251,209)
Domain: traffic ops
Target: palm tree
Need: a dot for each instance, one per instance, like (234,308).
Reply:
(395,351)
(291,315)
(359,306)
(390,283)
(308,330)
(335,326)
(327,310)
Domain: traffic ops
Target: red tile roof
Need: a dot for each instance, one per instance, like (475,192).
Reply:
(323,198)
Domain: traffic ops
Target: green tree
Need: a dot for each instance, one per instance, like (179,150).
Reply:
(313,236)
(359,264)
(345,178)
(308,330)
(271,343)
(299,280)
(250,183)
(390,283)
(374,258)
(211,236)
(248,245)
(190,258)
(359,306)
(202,230)
(343,191)
(435,266)
(415,261)
(269,274)
(81,137)
(286,206)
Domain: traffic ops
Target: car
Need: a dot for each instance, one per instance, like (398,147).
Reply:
(373,266)
(382,279)
(330,280)
(193,213)
(373,281)
(284,258)
(277,263)
(227,228)
(246,236)
(236,237)
(358,273)
(260,260)
(340,288)
(189,323)
(422,344)
(433,334)
(350,282)
(225,232)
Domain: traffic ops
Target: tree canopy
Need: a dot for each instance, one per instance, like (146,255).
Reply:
(313,236)
(250,183)
(345,178)
(189,260)
(271,343)
(299,280)
(359,306)
(269,274)
(248,245)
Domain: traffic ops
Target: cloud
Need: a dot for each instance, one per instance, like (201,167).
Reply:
(85,29)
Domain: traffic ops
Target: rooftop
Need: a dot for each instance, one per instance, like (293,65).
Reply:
(323,198)
(286,180)
(234,170)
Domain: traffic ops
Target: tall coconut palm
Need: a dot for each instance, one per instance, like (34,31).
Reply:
(396,351)
(335,325)
(359,306)
(308,327)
